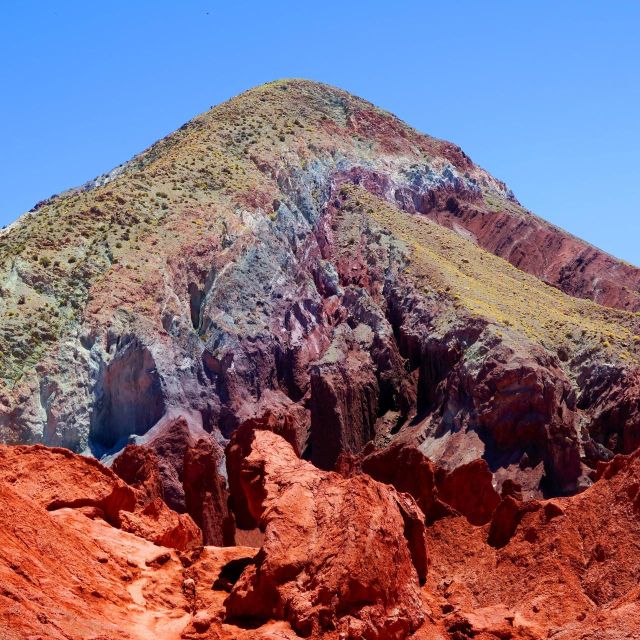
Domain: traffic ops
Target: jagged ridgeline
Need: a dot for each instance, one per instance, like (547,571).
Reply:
(297,252)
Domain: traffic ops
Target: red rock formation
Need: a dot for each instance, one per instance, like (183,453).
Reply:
(239,447)
(206,495)
(138,467)
(192,483)
(469,490)
(57,479)
(409,471)
(341,558)
(162,526)
(64,576)
(335,554)
(170,444)
(523,408)
(565,567)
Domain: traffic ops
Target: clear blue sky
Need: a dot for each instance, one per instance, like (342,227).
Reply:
(545,95)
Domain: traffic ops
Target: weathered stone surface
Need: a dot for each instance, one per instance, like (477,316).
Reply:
(611,398)
(194,484)
(335,554)
(206,494)
(138,467)
(162,526)
(56,478)
(467,490)
(297,261)
(344,405)
(567,568)
(409,471)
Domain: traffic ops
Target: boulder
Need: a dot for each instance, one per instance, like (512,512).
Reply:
(162,526)
(138,467)
(467,489)
(345,554)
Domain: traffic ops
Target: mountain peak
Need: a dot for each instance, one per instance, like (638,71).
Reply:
(298,261)
(242,228)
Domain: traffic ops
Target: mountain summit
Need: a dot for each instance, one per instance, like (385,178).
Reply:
(298,324)
(297,250)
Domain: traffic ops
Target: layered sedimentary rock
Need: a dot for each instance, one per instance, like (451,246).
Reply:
(298,265)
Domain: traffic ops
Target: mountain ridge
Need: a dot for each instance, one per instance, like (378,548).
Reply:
(347,387)
(210,277)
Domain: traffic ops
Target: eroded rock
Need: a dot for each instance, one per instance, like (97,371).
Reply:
(335,555)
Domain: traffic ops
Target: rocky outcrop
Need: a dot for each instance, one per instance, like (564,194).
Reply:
(342,556)
(66,576)
(483,394)
(206,494)
(466,490)
(339,553)
(341,271)
(344,405)
(58,479)
(170,444)
(523,405)
(176,468)
(611,398)
(563,567)
(139,468)
(162,526)
(469,490)
(408,470)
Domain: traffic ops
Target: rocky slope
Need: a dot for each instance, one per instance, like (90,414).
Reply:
(300,326)
(343,556)
(298,252)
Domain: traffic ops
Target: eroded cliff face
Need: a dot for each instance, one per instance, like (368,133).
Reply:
(298,253)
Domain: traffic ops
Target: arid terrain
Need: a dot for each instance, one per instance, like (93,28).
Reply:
(299,370)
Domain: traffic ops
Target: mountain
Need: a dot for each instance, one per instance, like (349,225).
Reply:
(279,253)
(298,261)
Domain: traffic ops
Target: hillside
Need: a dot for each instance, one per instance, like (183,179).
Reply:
(330,380)
(297,251)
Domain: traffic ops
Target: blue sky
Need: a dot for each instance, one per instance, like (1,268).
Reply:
(545,95)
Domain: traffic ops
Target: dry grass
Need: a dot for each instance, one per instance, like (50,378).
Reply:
(488,286)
